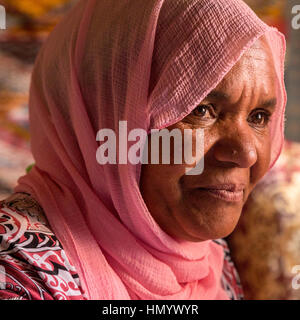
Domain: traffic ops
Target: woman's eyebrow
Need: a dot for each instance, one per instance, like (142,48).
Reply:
(220,95)
(270,103)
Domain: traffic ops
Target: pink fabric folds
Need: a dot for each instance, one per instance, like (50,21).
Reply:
(149,63)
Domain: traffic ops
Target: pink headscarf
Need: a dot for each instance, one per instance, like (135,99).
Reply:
(150,63)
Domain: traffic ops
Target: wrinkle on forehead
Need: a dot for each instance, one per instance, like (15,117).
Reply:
(259,57)
(260,51)
(254,75)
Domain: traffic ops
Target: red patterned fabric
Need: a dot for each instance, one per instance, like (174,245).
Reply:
(34,266)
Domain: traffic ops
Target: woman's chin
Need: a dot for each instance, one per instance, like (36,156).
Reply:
(210,234)
(218,225)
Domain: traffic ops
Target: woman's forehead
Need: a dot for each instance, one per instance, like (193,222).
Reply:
(260,50)
(253,76)
(255,67)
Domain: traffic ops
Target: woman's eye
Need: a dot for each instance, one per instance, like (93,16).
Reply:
(204,111)
(260,118)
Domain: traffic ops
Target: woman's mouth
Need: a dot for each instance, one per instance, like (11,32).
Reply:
(229,193)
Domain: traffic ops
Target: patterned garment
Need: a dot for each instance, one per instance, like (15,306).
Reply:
(266,243)
(34,266)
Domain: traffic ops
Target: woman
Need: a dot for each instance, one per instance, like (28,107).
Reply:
(132,231)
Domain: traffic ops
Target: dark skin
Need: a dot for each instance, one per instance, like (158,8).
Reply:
(236,119)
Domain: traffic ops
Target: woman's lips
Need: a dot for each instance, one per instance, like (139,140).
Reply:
(229,193)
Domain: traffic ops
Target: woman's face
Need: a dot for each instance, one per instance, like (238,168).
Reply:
(235,118)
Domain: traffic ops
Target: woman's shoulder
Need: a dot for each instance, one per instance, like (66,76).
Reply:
(33,264)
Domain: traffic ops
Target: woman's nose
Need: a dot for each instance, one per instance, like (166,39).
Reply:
(236,147)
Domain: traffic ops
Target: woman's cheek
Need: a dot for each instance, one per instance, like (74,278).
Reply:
(260,168)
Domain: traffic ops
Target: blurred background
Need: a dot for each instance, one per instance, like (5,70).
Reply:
(265,258)
(28,23)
